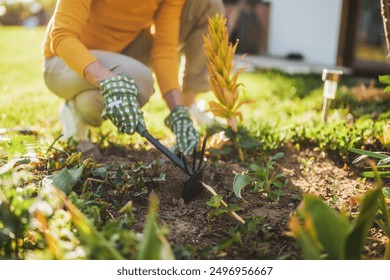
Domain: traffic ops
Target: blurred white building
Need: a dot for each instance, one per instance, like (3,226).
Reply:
(344,33)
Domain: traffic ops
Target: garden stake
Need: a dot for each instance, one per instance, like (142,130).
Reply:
(192,186)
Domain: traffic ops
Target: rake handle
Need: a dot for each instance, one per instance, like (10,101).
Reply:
(144,133)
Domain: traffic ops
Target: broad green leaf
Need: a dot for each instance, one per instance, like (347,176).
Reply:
(240,181)
(361,225)
(387,89)
(277,156)
(254,167)
(214,201)
(160,178)
(154,245)
(330,227)
(65,179)
(100,172)
(277,183)
(309,245)
(310,251)
(384,79)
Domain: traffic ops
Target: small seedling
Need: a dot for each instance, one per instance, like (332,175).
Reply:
(216,201)
(262,179)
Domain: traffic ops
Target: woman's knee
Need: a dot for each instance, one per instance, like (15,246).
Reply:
(89,105)
(205,8)
(216,6)
(143,79)
(122,64)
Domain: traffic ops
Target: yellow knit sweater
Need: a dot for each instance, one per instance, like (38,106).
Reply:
(79,25)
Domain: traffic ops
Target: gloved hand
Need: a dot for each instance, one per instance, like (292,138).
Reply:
(120,103)
(180,123)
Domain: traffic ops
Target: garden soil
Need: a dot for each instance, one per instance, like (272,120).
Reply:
(193,234)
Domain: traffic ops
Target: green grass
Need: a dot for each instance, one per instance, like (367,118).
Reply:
(280,103)
(25,101)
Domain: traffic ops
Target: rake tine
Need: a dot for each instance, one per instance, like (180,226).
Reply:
(183,158)
(202,153)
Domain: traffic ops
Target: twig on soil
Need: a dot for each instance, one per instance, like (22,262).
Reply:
(111,215)
(224,204)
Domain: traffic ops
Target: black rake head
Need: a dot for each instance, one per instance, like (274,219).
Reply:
(192,186)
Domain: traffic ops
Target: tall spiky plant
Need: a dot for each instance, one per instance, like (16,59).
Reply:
(223,76)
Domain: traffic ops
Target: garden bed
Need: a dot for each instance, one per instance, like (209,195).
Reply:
(192,234)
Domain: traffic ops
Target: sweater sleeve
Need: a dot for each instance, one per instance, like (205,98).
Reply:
(165,60)
(69,19)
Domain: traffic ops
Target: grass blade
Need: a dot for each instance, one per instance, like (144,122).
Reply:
(364,153)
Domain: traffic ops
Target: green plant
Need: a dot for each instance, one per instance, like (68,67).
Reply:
(378,171)
(223,79)
(325,234)
(221,143)
(339,136)
(262,178)
(236,236)
(223,74)
(382,168)
(385,79)
(38,221)
(215,203)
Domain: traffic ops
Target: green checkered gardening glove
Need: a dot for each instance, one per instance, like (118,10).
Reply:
(120,103)
(180,123)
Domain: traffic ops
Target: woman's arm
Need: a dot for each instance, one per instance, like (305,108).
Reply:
(96,72)
(165,59)
(67,23)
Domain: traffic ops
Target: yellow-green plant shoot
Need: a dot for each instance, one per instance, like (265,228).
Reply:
(223,76)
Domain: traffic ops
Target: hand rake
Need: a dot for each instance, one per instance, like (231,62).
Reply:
(192,186)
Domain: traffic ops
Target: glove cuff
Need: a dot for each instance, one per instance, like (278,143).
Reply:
(117,84)
(178,113)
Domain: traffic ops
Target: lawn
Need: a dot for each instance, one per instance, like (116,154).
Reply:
(290,158)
